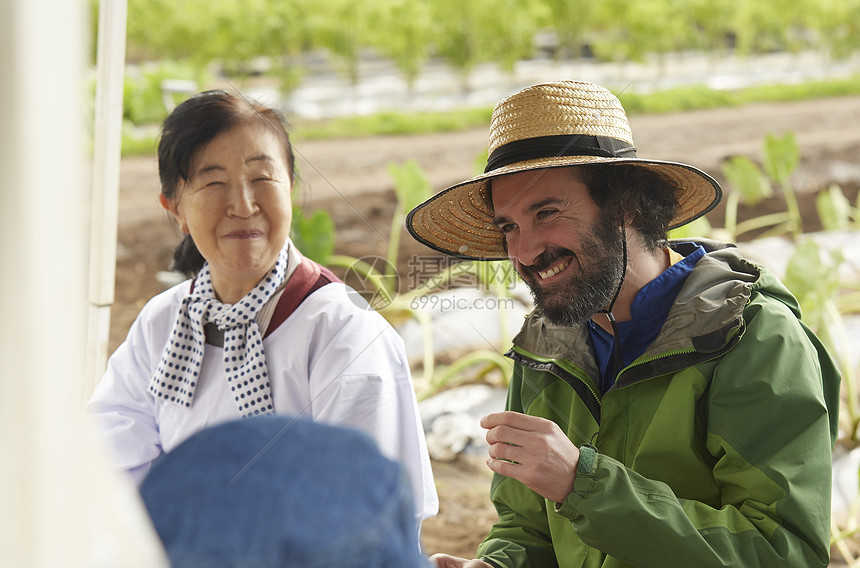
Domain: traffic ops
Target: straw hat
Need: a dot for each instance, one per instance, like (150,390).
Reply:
(549,125)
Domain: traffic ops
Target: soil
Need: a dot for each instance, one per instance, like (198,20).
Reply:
(349,179)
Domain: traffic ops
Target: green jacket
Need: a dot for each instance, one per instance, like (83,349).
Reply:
(711,449)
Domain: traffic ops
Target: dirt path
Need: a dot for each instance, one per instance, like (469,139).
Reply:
(333,168)
(349,178)
(701,138)
(335,172)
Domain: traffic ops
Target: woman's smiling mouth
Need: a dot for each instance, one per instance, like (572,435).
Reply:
(244,234)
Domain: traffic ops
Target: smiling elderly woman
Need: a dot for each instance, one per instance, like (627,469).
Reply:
(258,329)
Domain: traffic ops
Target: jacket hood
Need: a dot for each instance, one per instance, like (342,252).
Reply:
(765,281)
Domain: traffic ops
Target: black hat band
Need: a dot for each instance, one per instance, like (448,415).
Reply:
(557,146)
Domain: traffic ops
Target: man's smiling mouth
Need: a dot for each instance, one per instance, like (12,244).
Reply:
(553,271)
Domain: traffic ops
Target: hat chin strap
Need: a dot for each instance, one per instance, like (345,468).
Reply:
(616,343)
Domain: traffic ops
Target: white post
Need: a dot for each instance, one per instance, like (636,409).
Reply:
(107,142)
(61,505)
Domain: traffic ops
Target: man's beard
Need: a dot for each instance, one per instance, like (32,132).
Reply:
(594,282)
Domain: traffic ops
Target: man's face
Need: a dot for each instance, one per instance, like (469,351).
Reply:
(566,250)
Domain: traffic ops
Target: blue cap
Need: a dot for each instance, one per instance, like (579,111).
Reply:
(277,491)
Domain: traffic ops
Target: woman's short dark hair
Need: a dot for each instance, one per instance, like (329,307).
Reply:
(190,127)
(648,199)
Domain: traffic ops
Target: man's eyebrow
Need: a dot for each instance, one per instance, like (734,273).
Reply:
(543,203)
(502,219)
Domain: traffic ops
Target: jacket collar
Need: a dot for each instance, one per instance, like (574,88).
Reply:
(704,317)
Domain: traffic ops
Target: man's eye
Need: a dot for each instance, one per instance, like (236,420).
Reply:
(546,213)
(507,227)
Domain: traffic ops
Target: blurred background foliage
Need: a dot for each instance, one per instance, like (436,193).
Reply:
(284,40)
(467,33)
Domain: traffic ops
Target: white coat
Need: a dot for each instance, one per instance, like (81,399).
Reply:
(330,361)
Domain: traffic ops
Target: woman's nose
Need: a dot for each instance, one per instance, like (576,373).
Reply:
(243,200)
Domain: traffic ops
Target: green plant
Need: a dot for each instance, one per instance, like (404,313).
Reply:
(750,184)
(701,227)
(391,123)
(397,308)
(835,211)
(814,281)
(313,234)
(405,30)
(479,31)
(670,100)
(145,101)
(489,276)
(411,187)
(138,141)
(781,157)
(289,34)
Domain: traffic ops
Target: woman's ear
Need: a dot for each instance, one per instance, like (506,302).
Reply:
(173,207)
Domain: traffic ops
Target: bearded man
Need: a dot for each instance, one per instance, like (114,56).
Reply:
(667,407)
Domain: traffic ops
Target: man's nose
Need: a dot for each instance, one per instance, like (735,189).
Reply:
(526,249)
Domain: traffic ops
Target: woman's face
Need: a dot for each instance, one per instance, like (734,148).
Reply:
(236,206)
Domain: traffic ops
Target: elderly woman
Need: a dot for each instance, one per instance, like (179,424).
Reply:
(258,329)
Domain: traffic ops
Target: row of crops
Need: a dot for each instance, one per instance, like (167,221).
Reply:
(465,34)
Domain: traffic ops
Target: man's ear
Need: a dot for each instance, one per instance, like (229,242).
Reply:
(173,207)
(621,216)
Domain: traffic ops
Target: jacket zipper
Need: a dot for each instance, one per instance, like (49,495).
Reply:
(570,375)
(579,382)
(676,353)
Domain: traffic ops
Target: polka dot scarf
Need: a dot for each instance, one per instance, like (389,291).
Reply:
(244,359)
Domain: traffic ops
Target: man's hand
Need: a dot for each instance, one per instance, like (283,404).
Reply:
(446,561)
(544,458)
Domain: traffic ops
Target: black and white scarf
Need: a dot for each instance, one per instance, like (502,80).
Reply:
(244,359)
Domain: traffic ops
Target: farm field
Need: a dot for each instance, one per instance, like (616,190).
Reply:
(349,178)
